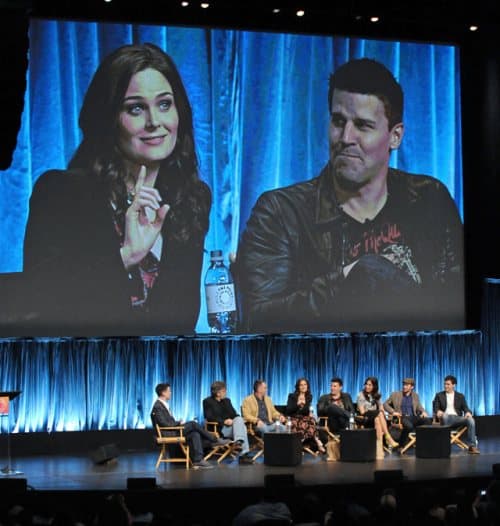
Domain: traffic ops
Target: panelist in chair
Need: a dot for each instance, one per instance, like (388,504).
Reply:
(218,408)
(161,415)
(371,414)
(336,405)
(298,408)
(406,405)
(259,410)
(451,409)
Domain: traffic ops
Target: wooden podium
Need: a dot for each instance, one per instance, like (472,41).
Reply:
(5,399)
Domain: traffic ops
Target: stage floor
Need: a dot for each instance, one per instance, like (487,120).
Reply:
(79,473)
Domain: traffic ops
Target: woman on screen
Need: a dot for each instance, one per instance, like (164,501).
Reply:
(298,408)
(371,414)
(114,244)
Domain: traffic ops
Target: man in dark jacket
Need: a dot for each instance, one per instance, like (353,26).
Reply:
(451,408)
(337,406)
(218,408)
(195,434)
(362,246)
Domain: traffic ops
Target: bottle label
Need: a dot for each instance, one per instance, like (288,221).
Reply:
(220,298)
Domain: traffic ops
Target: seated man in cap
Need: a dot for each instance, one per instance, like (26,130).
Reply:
(406,404)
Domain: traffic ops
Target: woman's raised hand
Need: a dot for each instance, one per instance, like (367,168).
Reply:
(143,221)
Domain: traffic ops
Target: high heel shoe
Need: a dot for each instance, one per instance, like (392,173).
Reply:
(390,441)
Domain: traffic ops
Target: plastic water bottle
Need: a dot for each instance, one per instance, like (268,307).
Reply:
(351,421)
(288,425)
(278,428)
(219,292)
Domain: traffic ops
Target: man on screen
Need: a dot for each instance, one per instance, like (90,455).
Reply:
(361,246)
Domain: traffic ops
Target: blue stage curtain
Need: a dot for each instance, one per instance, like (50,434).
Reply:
(260,112)
(490,324)
(79,384)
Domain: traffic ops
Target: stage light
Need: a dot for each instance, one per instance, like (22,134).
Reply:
(300,12)
(205,5)
(276,10)
(184,4)
(473,28)
(374,19)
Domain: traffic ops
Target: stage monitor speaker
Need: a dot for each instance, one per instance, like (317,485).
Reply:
(9,486)
(135,483)
(388,475)
(104,454)
(495,468)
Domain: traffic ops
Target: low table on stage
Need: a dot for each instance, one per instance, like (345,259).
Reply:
(282,449)
(358,445)
(5,399)
(433,441)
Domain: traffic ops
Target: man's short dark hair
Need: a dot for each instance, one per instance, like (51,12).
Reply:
(337,380)
(369,77)
(161,388)
(216,387)
(257,384)
(451,378)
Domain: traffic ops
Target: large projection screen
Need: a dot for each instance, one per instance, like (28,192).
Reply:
(293,182)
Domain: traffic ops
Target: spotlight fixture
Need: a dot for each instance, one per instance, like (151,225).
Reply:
(276,10)
(184,4)
(107,1)
(374,19)
(300,12)
(473,28)
(204,5)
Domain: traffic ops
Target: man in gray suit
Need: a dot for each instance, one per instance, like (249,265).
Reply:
(406,405)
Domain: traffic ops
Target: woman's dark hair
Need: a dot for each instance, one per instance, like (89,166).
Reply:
(308,394)
(369,77)
(178,180)
(375,394)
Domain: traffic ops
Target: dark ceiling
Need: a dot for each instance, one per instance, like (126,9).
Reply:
(441,20)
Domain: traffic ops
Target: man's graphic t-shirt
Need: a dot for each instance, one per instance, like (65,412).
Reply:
(384,236)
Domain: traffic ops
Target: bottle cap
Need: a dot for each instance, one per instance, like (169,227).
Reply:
(216,255)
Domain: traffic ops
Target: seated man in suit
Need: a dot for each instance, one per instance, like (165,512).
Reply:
(406,405)
(259,409)
(194,433)
(336,405)
(218,408)
(451,409)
